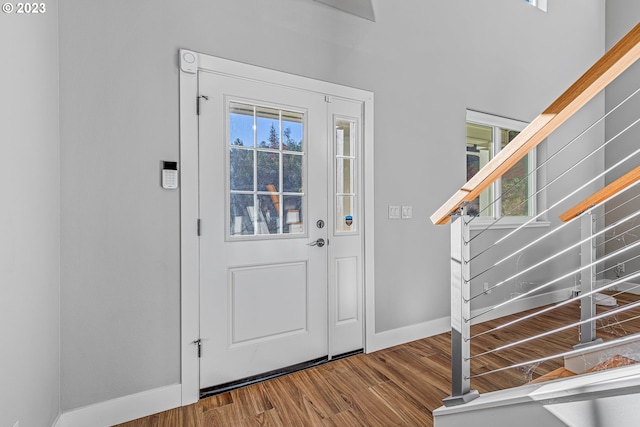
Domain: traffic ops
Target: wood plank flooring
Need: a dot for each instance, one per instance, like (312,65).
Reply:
(399,386)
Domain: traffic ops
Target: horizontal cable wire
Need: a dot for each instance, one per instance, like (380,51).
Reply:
(558,305)
(620,205)
(628,289)
(614,266)
(600,175)
(619,322)
(594,124)
(552,257)
(553,231)
(554,205)
(544,359)
(544,334)
(562,328)
(617,236)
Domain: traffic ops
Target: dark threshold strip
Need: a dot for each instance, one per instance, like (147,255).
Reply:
(223,388)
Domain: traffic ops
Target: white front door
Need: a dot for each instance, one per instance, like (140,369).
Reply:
(266,231)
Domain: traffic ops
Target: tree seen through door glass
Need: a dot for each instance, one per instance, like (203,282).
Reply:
(266,170)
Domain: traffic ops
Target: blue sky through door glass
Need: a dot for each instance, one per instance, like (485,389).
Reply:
(241,125)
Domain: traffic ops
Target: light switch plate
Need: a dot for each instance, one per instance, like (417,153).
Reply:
(394,212)
(407,212)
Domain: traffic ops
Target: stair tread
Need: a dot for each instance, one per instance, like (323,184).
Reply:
(613,362)
(554,375)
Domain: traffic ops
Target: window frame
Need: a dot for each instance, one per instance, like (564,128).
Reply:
(508,221)
(540,4)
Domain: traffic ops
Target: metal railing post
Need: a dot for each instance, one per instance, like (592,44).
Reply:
(587,280)
(460,313)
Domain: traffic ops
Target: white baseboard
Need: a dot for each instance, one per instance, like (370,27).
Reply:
(522,305)
(123,409)
(407,334)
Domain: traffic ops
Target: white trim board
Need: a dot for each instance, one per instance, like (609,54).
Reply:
(190,64)
(123,409)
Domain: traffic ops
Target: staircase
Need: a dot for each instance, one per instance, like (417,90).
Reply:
(611,363)
(576,242)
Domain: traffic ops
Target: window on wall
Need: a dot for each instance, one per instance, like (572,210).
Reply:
(540,4)
(512,194)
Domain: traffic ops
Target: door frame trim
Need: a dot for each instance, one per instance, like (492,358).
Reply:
(190,63)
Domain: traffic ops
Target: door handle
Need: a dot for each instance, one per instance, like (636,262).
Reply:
(319,243)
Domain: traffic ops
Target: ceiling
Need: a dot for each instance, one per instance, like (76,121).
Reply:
(361,8)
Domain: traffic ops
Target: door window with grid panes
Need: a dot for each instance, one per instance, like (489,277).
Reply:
(266,170)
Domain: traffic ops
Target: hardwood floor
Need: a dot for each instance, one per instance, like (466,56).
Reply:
(399,386)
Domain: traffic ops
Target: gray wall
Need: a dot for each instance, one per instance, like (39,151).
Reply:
(426,62)
(29,219)
(622,16)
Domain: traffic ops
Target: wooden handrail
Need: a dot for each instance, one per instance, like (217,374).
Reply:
(603,194)
(603,72)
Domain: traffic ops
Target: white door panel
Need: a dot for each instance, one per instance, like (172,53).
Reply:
(251,287)
(263,292)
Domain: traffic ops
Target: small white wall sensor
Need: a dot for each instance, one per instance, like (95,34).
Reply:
(170,175)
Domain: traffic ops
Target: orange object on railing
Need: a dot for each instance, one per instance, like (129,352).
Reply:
(603,194)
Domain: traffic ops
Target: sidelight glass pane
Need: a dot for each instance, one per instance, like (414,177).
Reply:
(344,134)
(241,214)
(344,176)
(515,182)
(479,152)
(293,218)
(241,169)
(345,186)
(241,125)
(268,171)
(345,213)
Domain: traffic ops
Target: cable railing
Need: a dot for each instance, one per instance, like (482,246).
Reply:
(585,255)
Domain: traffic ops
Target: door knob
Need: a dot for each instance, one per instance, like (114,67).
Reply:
(319,243)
